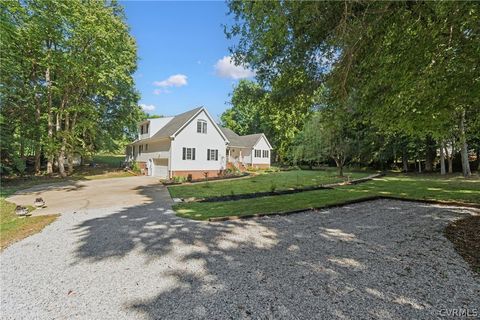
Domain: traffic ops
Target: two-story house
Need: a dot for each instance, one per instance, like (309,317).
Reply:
(192,144)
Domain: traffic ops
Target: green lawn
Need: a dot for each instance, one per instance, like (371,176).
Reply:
(417,187)
(262,183)
(110,160)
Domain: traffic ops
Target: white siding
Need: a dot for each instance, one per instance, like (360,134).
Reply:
(156,149)
(190,138)
(154,125)
(261,145)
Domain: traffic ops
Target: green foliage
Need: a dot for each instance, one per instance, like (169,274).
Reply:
(19,165)
(179,179)
(406,69)
(135,167)
(256,110)
(66,72)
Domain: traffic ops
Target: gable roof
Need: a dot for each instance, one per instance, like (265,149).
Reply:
(175,124)
(248,141)
(178,122)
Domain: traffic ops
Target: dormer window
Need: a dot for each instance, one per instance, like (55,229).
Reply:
(141,129)
(202,126)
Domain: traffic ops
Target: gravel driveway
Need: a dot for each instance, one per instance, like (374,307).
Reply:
(377,260)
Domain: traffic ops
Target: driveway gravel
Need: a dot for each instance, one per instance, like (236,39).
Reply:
(376,260)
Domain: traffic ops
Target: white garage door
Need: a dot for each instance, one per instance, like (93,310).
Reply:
(160,168)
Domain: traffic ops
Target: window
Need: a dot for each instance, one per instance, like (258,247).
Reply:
(212,154)
(146,147)
(147,126)
(140,149)
(258,153)
(264,153)
(202,126)
(141,129)
(133,151)
(188,154)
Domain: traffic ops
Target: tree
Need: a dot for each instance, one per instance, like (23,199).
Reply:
(73,83)
(414,62)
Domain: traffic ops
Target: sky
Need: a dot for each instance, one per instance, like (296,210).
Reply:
(183,56)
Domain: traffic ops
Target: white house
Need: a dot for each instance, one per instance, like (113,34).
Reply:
(192,144)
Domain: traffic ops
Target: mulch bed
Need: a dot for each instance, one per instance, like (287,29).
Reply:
(173,183)
(465,236)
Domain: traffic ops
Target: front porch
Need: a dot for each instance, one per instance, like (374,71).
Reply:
(240,158)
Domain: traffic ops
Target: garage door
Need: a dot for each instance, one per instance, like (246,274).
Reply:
(160,168)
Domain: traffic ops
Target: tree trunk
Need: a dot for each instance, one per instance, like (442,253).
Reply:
(478,160)
(405,160)
(339,164)
(49,122)
(464,148)
(419,167)
(442,158)
(38,146)
(449,158)
(430,154)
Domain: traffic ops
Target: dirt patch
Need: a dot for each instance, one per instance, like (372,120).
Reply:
(465,236)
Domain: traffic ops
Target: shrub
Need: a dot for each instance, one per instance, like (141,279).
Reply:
(135,167)
(273,187)
(179,179)
(19,165)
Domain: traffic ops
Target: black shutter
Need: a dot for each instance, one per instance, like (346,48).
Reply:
(216,155)
(193,153)
(208,154)
(184,153)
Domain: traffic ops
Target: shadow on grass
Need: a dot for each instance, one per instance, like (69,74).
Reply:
(378,259)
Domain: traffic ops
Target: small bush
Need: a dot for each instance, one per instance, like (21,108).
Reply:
(135,167)
(273,187)
(19,165)
(179,179)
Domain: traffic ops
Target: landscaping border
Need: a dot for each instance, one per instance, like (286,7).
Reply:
(283,192)
(348,202)
(171,183)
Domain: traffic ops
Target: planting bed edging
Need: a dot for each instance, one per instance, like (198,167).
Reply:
(370,198)
(280,192)
(167,183)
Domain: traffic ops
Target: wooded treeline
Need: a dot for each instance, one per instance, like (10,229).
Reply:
(360,82)
(66,81)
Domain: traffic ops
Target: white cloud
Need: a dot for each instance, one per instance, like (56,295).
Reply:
(176,80)
(147,107)
(226,68)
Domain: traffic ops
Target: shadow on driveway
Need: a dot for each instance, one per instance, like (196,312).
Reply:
(381,259)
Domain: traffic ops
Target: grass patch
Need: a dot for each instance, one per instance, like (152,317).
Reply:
(13,228)
(110,160)
(276,181)
(415,187)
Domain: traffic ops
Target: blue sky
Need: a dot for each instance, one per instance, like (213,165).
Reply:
(183,55)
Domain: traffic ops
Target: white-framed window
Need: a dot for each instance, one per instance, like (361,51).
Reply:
(146,147)
(147,127)
(141,129)
(258,153)
(140,149)
(188,154)
(264,153)
(201,126)
(212,154)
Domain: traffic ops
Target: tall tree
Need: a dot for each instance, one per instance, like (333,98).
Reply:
(74,79)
